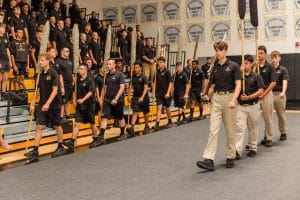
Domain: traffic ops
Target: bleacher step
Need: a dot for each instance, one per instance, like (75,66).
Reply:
(20,110)
(3,103)
(17,128)
(22,136)
(14,119)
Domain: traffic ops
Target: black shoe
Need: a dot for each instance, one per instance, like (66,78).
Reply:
(70,144)
(206,164)
(96,142)
(202,117)
(156,127)
(238,156)
(31,160)
(130,132)
(60,151)
(146,130)
(251,153)
(122,137)
(282,137)
(247,147)
(178,123)
(229,163)
(269,143)
(264,141)
(169,125)
(188,120)
(32,153)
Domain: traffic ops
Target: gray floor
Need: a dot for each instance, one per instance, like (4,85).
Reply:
(161,166)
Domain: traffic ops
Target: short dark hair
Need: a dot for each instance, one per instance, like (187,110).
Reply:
(207,58)
(262,48)
(138,63)
(196,62)
(249,58)
(161,58)
(178,64)
(221,45)
(84,65)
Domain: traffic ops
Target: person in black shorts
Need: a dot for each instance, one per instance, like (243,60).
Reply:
(113,99)
(140,100)
(85,106)
(48,108)
(163,87)
(20,58)
(66,68)
(180,91)
(5,59)
(197,88)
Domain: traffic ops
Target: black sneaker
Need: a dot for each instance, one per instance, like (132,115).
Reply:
(70,144)
(130,132)
(32,153)
(206,164)
(188,120)
(169,125)
(96,142)
(60,151)
(122,137)
(146,130)
(156,127)
(229,163)
(238,156)
(178,123)
(247,147)
(264,141)
(269,143)
(282,137)
(251,153)
(202,117)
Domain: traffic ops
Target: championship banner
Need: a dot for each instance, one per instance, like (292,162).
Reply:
(297,26)
(275,5)
(149,13)
(297,4)
(195,9)
(129,14)
(195,30)
(219,29)
(171,34)
(111,14)
(249,31)
(171,11)
(275,27)
(219,8)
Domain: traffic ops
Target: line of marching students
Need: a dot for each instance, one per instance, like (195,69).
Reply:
(102,94)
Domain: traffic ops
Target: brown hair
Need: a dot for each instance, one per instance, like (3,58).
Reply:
(220,45)
(45,55)
(275,53)
(161,58)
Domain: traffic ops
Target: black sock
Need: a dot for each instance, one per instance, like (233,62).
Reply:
(60,144)
(170,121)
(122,130)
(179,117)
(201,112)
(102,131)
(183,115)
(35,148)
(157,124)
(192,112)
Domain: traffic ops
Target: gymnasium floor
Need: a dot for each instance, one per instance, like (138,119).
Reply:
(162,166)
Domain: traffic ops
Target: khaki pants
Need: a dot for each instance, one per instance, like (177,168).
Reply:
(279,106)
(247,116)
(267,113)
(220,112)
(148,70)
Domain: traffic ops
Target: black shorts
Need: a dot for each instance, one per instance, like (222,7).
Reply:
(195,96)
(113,111)
(68,95)
(140,106)
(85,116)
(21,66)
(179,101)
(5,66)
(163,101)
(52,116)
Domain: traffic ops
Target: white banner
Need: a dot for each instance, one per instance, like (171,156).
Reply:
(171,34)
(195,8)
(275,5)
(171,11)
(219,29)
(249,30)
(149,13)
(297,26)
(111,14)
(129,14)
(219,7)
(275,27)
(195,30)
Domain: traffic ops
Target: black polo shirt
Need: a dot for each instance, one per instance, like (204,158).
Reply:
(61,39)
(46,82)
(205,69)
(181,79)
(17,22)
(66,68)
(113,82)
(36,45)
(187,70)
(55,66)
(123,43)
(94,23)
(99,82)
(225,76)
(138,83)
(56,14)
(102,33)
(42,16)
(53,33)
(83,87)
(282,74)
(139,49)
(268,74)
(95,47)
(253,82)
(163,79)
(196,79)
(68,31)
(149,52)
(3,48)
(84,49)
(20,50)
(32,27)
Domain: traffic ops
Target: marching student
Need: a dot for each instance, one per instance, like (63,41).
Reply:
(140,100)
(84,100)
(48,108)
(279,93)
(248,110)
(162,87)
(180,91)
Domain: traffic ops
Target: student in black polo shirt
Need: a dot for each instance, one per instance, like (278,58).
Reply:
(162,93)
(35,47)
(84,47)
(18,23)
(197,87)
(140,100)
(206,67)
(53,31)
(180,91)
(56,11)
(123,48)
(139,46)
(61,37)
(66,68)
(48,108)
(5,59)
(95,50)
(20,58)
(113,100)
(85,106)
(148,56)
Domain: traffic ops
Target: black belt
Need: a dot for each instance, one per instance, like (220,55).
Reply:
(224,92)
(248,104)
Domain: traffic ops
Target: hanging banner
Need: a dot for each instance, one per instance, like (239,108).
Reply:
(195,9)
(275,5)
(297,4)
(129,14)
(171,34)
(219,29)
(297,26)
(249,30)
(219,8)
(275,27)
(149,13)
(171,11)
(195,30)
(111,14)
